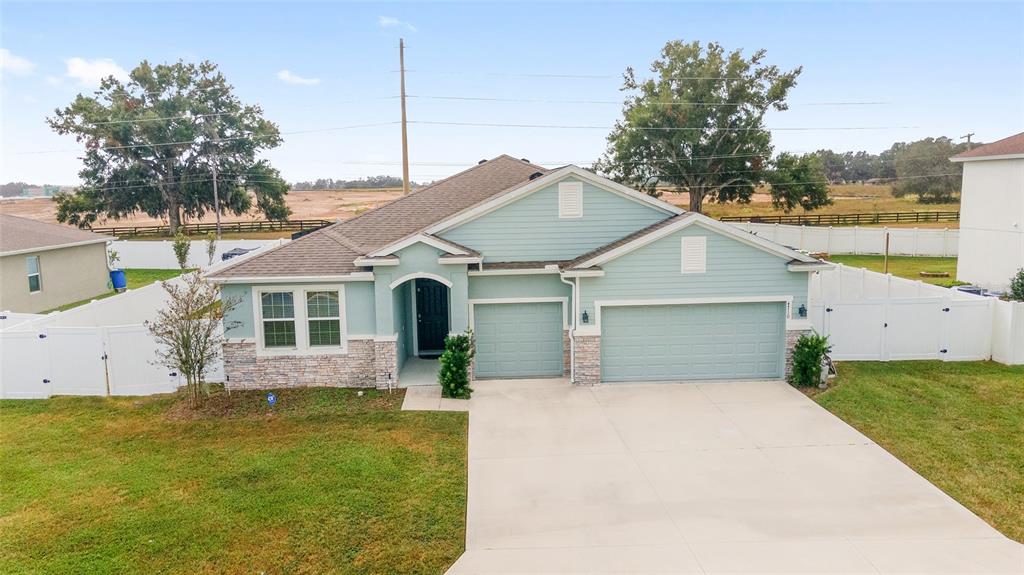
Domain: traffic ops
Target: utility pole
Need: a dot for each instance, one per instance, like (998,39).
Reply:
(405,130)
(968,138)
(216,197)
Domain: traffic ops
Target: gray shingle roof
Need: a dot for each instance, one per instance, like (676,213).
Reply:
(330,251)
(1006,147)
(22,234)
(625,240)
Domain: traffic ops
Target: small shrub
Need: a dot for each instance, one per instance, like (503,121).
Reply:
(1016,291)
(807,356)
(454,375)
(211,247)
(181,247)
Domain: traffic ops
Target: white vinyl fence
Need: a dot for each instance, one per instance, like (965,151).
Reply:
(858,240)
(873,316)
(100,348)
(160,254)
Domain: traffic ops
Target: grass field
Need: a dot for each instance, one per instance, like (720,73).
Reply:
(904,266)
(327,483)
(957,424)
(135,278)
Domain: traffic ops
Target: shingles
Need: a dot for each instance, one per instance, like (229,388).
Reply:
(1004,147)
(528,265)
(625,240)
(17,234)
(330,251)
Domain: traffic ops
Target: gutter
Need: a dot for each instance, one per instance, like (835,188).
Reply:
(575,285)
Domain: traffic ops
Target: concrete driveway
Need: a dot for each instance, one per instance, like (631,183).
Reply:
(748,477)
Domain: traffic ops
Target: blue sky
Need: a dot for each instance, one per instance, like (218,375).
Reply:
(938,68)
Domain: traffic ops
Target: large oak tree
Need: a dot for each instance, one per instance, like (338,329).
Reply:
(151,143)
(697,126)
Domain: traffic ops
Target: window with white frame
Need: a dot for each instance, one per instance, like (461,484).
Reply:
(297,320)
(35,279)
(570,200)
(694,255)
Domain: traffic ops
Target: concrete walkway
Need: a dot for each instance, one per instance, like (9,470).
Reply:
(699,478)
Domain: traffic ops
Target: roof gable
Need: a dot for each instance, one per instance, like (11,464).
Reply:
(23,235)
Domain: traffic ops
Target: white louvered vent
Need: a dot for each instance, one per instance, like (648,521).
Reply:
(570,200)
(695,255)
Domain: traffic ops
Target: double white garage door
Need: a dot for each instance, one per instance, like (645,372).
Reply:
(638,343)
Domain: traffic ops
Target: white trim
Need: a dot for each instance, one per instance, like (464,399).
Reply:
(565,190)
(56,247)
(361,261)
(301,320)
(392,337)
(420,238)
(801,324)
(514,272)
(542,182)
(513,300)
(353,277)
(808,266)
(694,218)
(598,304)
(984,158)
(468,260)
(584,273)
(416,320)
(361,336)
(417,275)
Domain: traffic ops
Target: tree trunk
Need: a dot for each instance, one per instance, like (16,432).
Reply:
(173,213)
(696,200)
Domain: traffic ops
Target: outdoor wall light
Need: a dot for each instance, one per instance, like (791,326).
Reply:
(586,317)
(802,310)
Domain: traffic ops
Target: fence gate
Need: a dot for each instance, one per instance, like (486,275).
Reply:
(25,369)
(131,363)
(77,363)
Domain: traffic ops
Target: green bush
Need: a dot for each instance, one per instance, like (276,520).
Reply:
(1016,291)
(454,375)
(807,355)
(181,247)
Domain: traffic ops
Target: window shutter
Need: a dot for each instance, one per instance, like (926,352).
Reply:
(695,255)
(570,200)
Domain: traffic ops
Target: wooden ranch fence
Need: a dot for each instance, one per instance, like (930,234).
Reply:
(850,219)
(231,227)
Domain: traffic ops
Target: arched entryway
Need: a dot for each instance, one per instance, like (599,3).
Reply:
(431,311)
(422,316)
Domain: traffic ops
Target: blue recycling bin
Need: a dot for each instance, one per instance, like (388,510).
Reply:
(118,280)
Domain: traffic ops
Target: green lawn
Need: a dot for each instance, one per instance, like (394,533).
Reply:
(960,425)
(904,266)
(329,483)
(135,277)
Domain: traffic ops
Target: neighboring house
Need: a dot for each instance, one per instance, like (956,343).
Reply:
(992,213)
(43,266)
(557,272)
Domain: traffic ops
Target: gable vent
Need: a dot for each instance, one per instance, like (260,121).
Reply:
(570,200)
(694,255)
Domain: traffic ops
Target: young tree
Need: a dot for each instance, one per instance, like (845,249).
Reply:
(152,141)
(211,247)
(1016,291)
(697,126)
(798,181)
(189,331)
(924,169)
(182,245)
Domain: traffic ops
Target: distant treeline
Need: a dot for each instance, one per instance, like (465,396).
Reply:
(921,168)
(13,189)
(372,182)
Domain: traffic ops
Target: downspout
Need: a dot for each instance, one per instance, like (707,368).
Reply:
(572,325)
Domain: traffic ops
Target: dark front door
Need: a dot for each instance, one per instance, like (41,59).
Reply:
(431,316)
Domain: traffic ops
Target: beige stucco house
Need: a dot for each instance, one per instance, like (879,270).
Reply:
(43,266)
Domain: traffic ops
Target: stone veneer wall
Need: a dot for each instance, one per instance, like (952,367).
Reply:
(588,359)
(245,370)
(791,338)
(386,363)
(566,354)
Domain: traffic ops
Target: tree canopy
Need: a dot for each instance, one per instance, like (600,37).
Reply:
(151,144)
(923,168)
(697,125)
(798,180)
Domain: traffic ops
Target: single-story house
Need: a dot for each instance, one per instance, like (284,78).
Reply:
(43,266)
(991,246)
(558,272)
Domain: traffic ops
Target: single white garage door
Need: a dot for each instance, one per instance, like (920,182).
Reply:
(693,342)
(518,340)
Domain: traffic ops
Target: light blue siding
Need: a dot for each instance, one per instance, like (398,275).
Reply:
(734,269)
(692,342)
(240,320)
(506,286)
(518,340)
(420,258)
(529,229)
(400,305)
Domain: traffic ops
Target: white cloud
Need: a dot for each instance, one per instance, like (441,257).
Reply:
(390,22)
(289,78)
(54,80)
(15,64)
(90,72)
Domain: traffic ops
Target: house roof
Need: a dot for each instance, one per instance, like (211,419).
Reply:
(20,235)
(626,239)
(375,229)
(1012,146)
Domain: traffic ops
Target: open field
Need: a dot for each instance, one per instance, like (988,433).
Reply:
(957,424)
(344,204)
(326,482)
(904,266)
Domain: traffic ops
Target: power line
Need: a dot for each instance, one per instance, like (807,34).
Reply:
(655,128)
(619,102)
(557,75)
